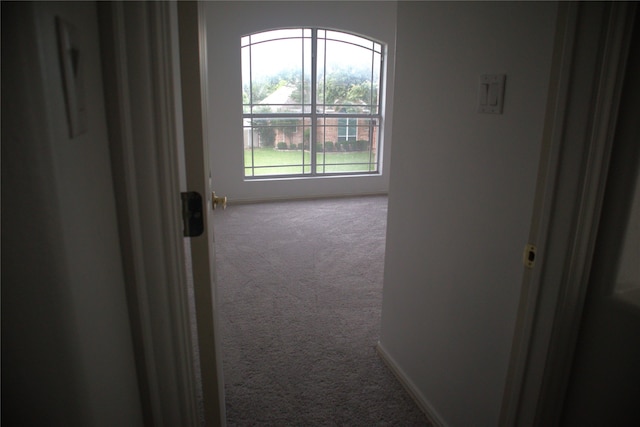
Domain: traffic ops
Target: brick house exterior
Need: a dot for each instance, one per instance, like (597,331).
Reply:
(331,131)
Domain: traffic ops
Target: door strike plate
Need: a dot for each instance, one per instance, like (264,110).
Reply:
(529,257)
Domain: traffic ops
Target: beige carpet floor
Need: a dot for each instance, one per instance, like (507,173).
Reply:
(300,293)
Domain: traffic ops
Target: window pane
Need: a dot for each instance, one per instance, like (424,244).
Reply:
(276,34)
(273,63)
(375,86)
(346,145)
(320,76)
(246,78)
(306,94)
(276,146)
(347,81)
(350,38)
(347,129)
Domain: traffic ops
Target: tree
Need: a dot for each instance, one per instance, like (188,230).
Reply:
(343,86)
(266,132)
(288,127)
(306,137)
(347,86)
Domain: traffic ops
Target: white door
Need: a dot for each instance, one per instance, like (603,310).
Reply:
(604,386)
(198,178)
(151,55)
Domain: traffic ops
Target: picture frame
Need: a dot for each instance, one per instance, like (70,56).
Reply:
(72,70)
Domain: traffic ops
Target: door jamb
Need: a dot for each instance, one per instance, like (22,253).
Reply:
(573,170)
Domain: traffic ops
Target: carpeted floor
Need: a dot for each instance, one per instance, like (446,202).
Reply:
(300,292)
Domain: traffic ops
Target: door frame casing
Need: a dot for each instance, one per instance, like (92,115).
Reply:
(590,56)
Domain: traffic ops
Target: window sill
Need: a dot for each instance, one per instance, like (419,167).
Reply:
(311,178)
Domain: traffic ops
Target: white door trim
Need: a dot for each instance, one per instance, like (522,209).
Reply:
(163,18)
(593,41)
(139,42)
(547,175)
(193,77)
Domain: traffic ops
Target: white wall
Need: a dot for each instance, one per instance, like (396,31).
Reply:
(67,357)
(460,205)
(227,22)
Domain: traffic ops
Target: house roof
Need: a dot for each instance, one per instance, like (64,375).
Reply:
(281,96)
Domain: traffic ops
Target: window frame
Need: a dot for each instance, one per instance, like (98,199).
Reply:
(314,116)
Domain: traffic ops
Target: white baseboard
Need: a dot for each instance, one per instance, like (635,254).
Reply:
(252,201)
(413,391)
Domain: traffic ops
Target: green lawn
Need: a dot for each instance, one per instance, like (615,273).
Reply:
(269,161)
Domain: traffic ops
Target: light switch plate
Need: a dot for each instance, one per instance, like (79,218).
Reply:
(491,93)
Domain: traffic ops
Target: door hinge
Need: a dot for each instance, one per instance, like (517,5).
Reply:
(529,257)
(192,217)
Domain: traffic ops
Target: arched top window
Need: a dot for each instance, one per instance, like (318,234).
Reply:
(311,102)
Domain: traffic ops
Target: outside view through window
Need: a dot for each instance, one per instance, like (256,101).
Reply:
(311,103)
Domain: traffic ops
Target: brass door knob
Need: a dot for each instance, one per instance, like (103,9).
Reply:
(215,201)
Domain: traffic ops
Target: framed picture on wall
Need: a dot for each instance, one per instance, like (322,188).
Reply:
(71,62)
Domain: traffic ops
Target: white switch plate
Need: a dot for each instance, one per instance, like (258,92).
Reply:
(491,93)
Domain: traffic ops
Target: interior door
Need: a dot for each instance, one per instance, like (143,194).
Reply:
(192,68)
(604,386)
